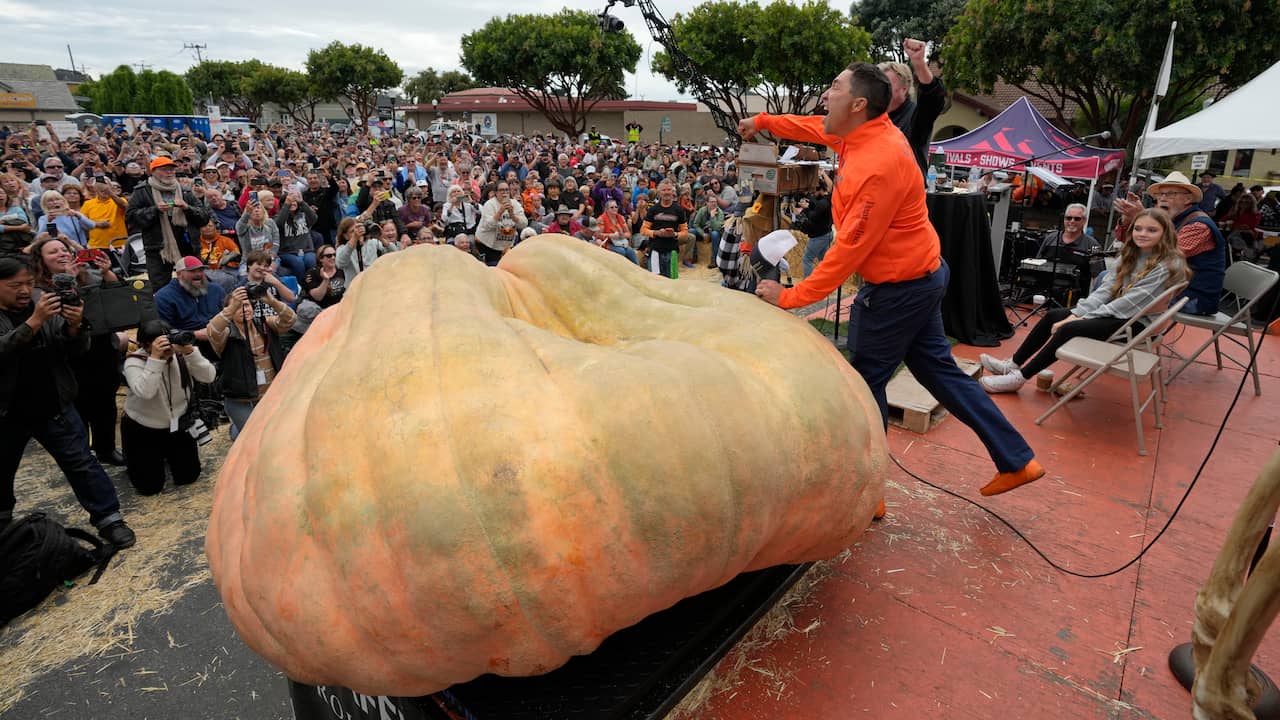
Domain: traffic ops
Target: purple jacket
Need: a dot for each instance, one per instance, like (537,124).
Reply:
(601,194)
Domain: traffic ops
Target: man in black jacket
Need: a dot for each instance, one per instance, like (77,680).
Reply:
(163,212)
(915,118)
(814,220)
(322,195)
(37,386)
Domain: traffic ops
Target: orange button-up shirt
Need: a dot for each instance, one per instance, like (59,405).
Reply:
(882,228)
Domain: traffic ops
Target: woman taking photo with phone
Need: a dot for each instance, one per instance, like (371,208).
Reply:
(254,231)
(161,377)
(297,248)
(60,219)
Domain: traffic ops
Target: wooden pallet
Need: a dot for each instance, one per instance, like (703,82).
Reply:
(912,407)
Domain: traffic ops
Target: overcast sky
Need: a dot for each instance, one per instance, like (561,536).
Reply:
(416,35)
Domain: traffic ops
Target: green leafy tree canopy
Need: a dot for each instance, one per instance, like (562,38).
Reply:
(355,73)
(124,91)
(430,85)
(292,91)
(561,64)
(892,21)
(224,82)
(786,53)
(1103,57)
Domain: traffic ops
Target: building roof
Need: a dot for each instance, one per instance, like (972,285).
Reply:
(71,76)
(19,71)
(39,81)
(504,100)
(49,95)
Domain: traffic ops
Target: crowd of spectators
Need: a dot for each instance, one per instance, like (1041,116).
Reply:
(245,238)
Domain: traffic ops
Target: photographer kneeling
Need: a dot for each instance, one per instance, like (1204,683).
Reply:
(157,427)
(246,335)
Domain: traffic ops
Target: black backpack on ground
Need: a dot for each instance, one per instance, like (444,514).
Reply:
(37,555)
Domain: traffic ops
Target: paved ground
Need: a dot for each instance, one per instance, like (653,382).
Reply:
(938,612)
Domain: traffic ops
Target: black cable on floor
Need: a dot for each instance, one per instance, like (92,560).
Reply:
(1253,359)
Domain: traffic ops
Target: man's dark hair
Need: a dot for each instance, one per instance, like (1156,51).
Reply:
(1255,188)
(870,82)
(10,266)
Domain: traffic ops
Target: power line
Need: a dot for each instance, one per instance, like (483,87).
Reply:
(197,47)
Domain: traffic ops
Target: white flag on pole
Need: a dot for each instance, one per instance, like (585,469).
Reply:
(1162,88)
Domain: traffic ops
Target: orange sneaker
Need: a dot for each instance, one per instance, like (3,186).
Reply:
(879,510)
(1006,481)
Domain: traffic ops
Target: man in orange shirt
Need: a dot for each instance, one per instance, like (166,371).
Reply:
(883,233)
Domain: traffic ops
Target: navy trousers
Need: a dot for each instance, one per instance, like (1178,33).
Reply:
(893,323)
(64,437)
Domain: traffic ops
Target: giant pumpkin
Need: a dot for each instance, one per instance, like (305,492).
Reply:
(464,469)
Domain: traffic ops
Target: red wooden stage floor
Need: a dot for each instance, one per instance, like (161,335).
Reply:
(942,612)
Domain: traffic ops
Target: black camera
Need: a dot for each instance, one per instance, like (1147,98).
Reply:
(256,291)
(65,287)
(181,337)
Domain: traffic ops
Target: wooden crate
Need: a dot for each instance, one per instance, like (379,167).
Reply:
(912,407)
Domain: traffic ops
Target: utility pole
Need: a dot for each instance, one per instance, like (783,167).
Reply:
(72,57)
(197,47)
(199,59)
(142,67)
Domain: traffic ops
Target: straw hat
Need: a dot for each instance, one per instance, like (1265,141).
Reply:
(1177,181)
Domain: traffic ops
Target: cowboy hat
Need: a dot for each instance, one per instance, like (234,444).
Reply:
(1177,181)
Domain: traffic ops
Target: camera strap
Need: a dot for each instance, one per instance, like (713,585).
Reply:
(186,380)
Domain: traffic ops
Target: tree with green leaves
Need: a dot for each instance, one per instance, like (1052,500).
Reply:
(561,64)
(224,82)
(123,91)
(290,90)
(1103,57)
(429,85)
(892,21)
(799,49)
(114,92)
(786,53)
(355,73)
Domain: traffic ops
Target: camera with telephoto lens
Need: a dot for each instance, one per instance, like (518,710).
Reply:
(256,291)
(65,287)
(181,337)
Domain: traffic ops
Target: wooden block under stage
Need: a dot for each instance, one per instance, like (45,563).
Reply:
(912,407)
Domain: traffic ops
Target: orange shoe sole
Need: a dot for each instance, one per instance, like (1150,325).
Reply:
(1006,481)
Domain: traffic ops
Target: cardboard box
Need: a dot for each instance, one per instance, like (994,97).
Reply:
(754,153)
(758,162)
(763,178)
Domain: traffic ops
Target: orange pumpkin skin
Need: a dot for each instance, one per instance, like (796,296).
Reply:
(464,470)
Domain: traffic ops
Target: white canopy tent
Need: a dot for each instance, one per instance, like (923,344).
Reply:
(1248,118)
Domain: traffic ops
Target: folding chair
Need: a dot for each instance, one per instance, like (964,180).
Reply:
(1243,285)
(1124,360)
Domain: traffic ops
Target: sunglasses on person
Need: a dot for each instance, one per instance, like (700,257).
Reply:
(1074,218)
(328,255)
